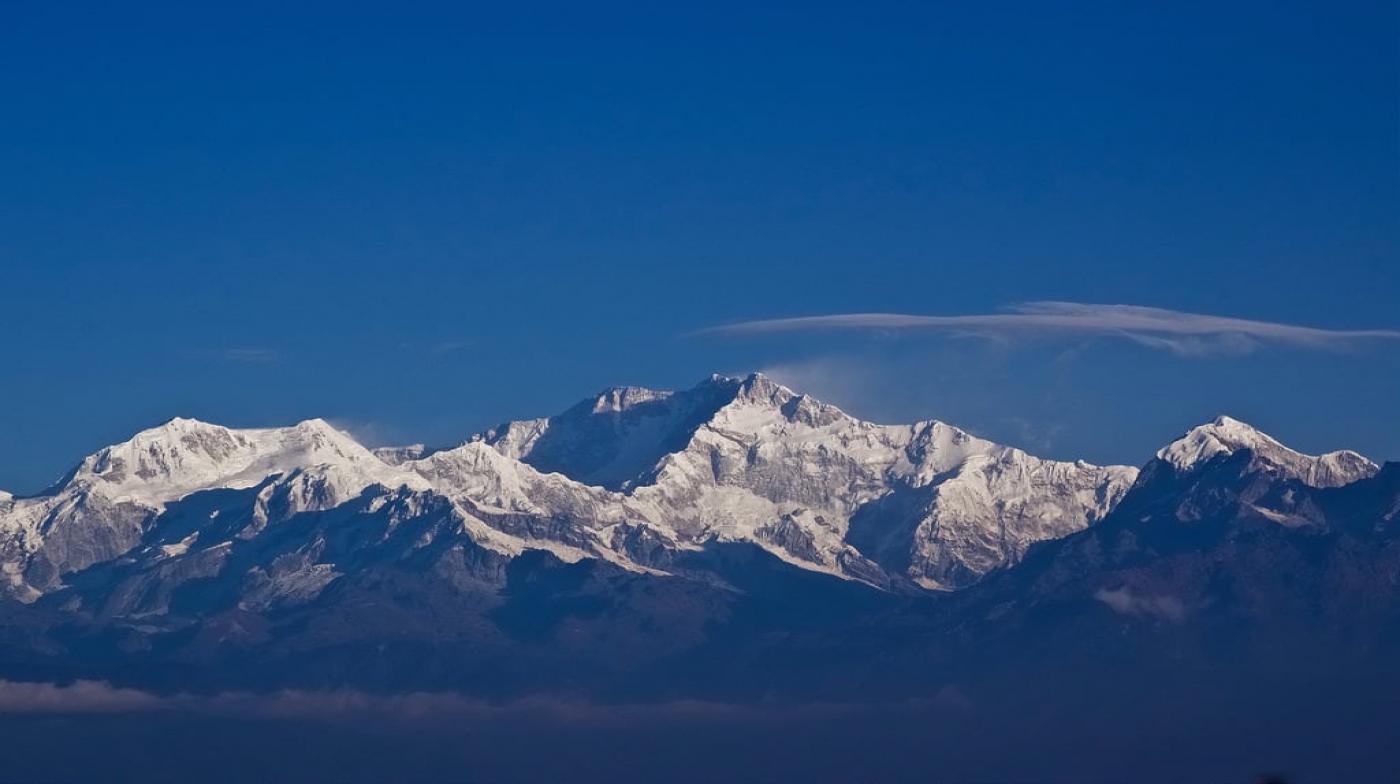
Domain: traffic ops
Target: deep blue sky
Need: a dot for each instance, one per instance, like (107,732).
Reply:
(418,220)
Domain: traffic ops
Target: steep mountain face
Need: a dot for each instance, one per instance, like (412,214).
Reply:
(617,437)
(750,460)
(634,477)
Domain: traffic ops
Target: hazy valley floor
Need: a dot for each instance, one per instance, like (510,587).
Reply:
(349,738)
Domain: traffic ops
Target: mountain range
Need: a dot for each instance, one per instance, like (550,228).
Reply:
(730,540)
(633,476)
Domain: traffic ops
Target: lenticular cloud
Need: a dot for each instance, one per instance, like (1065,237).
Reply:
(1171,330)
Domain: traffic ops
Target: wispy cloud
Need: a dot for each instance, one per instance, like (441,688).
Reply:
(252,356)
(1187,334)
(1125,601)
(448,347)
(77,697)
(98,697)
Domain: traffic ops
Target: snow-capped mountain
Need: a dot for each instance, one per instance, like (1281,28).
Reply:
(1226,436)
(1270,480)
(110,500)
(746,536)
(633,477)
(1231,548)
(750,460)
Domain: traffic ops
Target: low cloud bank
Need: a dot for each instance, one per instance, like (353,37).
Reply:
(97,697)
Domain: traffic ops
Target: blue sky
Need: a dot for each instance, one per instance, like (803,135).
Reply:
(418,220)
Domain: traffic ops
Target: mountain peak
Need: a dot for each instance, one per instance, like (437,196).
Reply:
(759,388)
(616,436)
(176,427)
(1223,435)
(731,459)
(182,455)
(1226,435)
(317,432)
(184,423)
(618,399)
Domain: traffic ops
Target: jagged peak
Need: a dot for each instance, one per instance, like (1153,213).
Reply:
(761,395)
(760,387)
(754,387)
(750,383)
(765,395)
(1226,435)
(616,399)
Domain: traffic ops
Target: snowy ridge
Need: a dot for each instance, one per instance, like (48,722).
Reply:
(106,504)
(632,476)
(614,438)
(182,456)
(755,462)
(1225,436)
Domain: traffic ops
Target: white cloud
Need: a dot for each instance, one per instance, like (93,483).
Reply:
(76,697)
(1124,601)
(1186,334)
(254,356)
(448,347)
(98,697)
